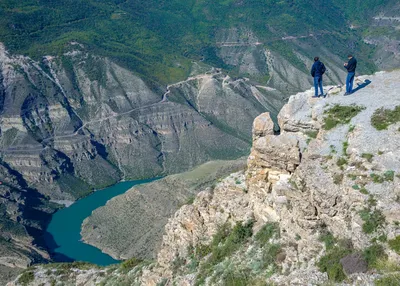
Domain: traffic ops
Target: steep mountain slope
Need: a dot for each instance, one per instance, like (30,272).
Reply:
(160,39)
(318,204)
(73,124)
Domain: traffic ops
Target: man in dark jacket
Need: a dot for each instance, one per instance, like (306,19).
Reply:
(317,70)
(351,66)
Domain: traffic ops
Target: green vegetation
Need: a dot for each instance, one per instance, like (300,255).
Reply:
(130,264)
(225,243)
(341,161)
(385,265)
(268,232)
(159,39)
(293,184)
(373,254)
(330,263)
(328,239)
(388,176)
(73,265)
(337,179)
(26,278)
(338,249)
(332,149)
(356,187)
(216,261)
(190,200)
(367,156)
(340,114)
(382,118)
(395,244)
(364,191)
(344,148)
(352,176)
(312,134)
(373,218)
(388,280)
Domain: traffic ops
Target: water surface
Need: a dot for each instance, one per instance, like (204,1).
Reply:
(63,236)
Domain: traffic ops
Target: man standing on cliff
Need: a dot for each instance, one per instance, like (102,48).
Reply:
(317,70)
(351,66)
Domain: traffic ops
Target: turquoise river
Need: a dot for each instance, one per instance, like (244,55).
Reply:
(63,236)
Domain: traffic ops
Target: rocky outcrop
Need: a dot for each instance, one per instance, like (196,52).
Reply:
(294,179)
(318,202)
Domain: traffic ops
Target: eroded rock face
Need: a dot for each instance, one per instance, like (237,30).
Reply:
(72,124)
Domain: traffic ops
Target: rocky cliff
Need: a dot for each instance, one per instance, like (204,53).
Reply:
(318,203)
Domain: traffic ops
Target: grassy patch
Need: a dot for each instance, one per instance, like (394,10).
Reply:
(216,261)
(382,118)
(190,200)
(293,184)
(344,148)
(269,231)
(130,264)
(373,219)
(341,162)
(340,114)
(387,266)
(225,243)
(337,179)
(367,156)
(364,191)
(338,249)
(373,254)
(376,178)
(328,239)
(312,134)
(389,280)
(388,176)
(395,244)
(26,278)
(330,263)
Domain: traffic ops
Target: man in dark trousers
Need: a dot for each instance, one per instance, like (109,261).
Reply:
(317,70)
(351,66)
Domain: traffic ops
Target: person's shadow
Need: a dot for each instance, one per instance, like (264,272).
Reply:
(362,85)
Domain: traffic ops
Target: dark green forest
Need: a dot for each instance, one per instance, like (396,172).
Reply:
(159,38)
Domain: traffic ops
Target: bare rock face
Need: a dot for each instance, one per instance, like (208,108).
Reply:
(262,126)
